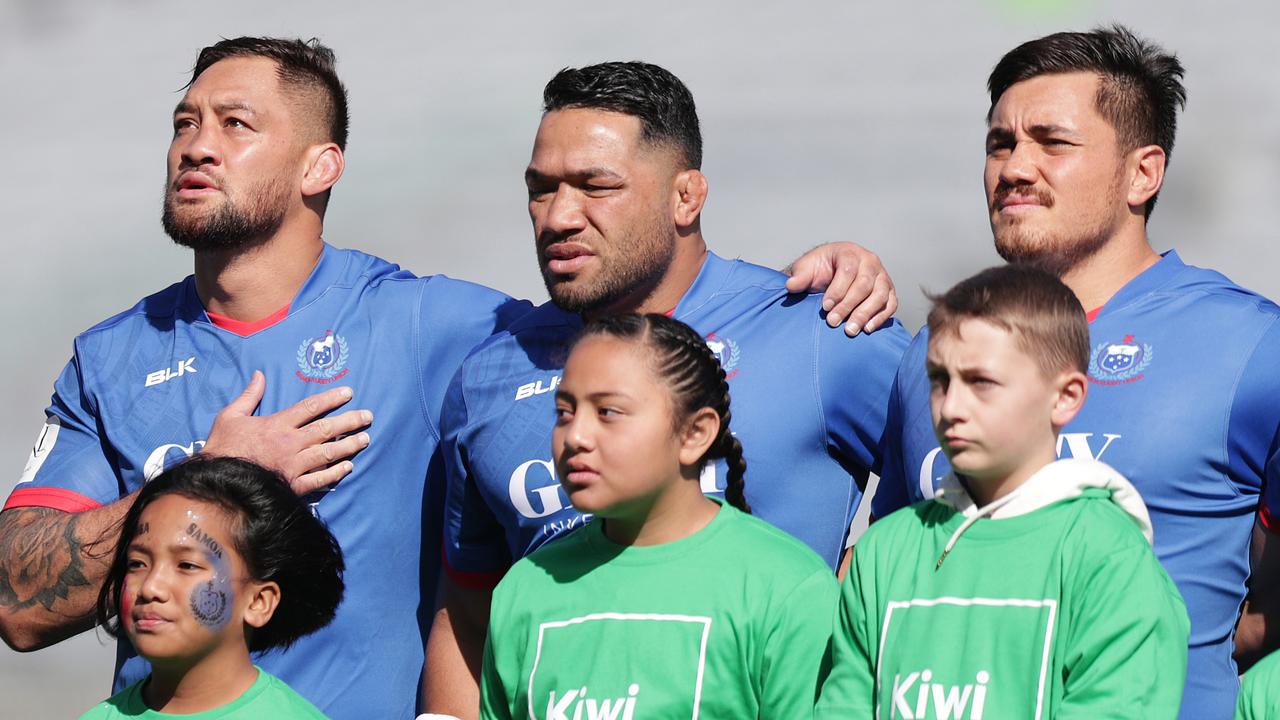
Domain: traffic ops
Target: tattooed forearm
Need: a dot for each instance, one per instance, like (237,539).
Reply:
(41,559)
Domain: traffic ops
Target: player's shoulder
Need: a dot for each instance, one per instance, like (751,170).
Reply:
(541,327)
(1218,292)
(152,313)
(767,546)
(887,533)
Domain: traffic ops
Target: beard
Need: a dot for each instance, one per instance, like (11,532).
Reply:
(628,266)
(232,225)
(1058,249)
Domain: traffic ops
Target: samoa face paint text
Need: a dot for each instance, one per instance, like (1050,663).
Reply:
(211,600)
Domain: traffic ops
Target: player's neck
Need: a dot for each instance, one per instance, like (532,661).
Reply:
(666,291)
(249,285)
(674,515)
(213,681)
(1096,278)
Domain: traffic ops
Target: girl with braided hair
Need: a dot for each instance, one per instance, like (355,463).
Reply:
(666,603)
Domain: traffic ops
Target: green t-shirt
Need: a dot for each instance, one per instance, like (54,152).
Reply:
(733,621)
(1062,612)
(1260,690)
(267,697)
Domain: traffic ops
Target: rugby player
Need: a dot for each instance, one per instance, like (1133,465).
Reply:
(257,146)
(616,197)
(1183,361)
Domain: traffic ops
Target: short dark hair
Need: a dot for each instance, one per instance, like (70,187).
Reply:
(273,531)
(645,91)
(1033,305)
(1140,91)
(305,67)
(680,358)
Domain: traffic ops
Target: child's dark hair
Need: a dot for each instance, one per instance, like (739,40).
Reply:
(272,530)
(683,361)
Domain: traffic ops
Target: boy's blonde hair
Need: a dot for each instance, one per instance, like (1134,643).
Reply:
(1041,313)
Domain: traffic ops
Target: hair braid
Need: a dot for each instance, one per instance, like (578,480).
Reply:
(693,373)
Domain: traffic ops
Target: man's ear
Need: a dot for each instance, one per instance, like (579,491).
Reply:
(1071,389)
(264,598)
(1146,174)
(690,197)
(323,166)
(698,435)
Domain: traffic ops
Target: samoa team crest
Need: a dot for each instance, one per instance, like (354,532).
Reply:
(1122,362)
(323,359)
(726,352)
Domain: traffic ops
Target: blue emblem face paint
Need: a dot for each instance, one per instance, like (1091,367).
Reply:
(211,601)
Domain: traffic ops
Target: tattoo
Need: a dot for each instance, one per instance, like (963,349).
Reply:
(143,529)
(41,560)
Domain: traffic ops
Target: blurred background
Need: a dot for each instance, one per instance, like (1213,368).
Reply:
(822,121)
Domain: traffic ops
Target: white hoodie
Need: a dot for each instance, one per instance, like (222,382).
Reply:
(1060,480)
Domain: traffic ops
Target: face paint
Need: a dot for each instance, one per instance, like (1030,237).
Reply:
(143,529)
(211,601)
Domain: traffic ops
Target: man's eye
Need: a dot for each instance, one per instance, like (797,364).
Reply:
(183,124)
(235,122)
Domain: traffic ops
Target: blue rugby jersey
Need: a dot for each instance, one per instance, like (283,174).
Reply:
(808,405)
(142,390)
(1184,400)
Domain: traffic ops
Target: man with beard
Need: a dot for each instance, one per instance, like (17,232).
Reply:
(1183,363)
(616,196)
(258,144)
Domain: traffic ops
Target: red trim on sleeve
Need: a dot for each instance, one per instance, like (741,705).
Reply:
(56,498)
(245,329)
(1269,521)
(1092,314)
(470,580)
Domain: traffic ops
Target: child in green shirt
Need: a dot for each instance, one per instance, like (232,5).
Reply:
(217,558)
(1027,588)
(668,603)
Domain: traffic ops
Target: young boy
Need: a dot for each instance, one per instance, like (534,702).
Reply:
(1027,587)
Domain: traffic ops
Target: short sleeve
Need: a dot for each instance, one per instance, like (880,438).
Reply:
(453,317)
(849,689)
(855,377)
(1122,659)
(500,671)
(475,548)
(797,649)
(1259,697)
(909,437)
(70,468)
(1255,425)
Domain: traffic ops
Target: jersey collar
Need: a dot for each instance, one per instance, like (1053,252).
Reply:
(329,270)
(711,278)
(1148,281)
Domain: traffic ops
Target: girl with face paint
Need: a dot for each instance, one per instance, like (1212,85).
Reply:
(217,558)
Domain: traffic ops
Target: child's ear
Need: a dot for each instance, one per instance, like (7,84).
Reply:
(1072,387)
(699,433)
(264,597)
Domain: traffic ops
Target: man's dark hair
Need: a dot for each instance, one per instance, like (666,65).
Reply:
(662,103)
(1141,84)
(273,532)
(305,68)
(1042,314)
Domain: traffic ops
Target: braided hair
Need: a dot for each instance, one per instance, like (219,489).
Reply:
(682,360)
